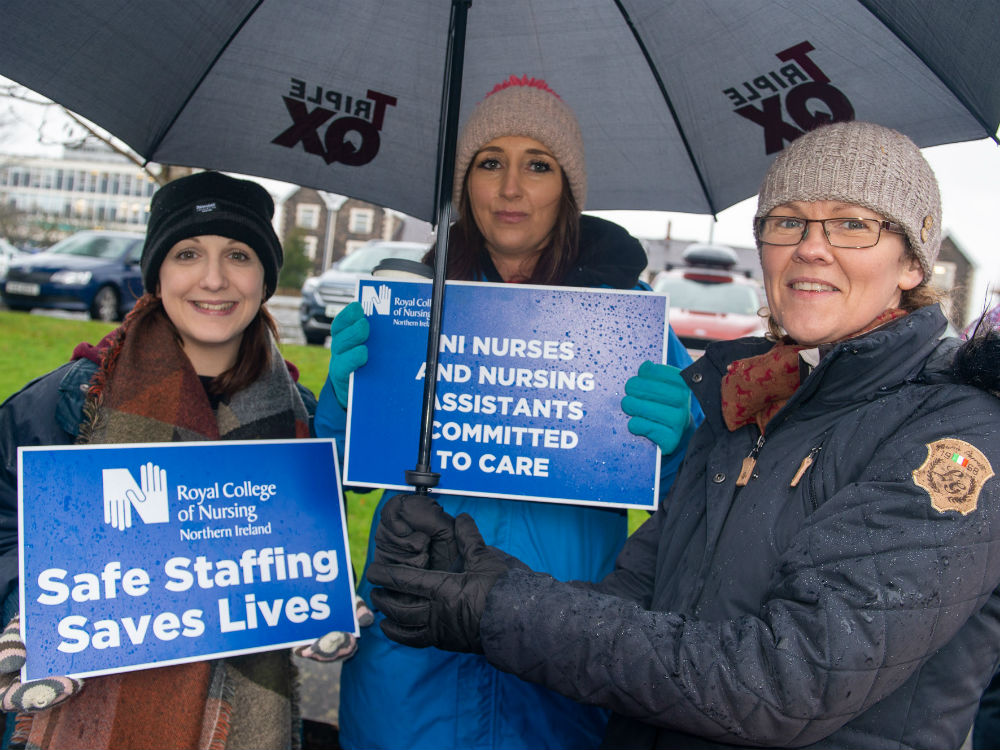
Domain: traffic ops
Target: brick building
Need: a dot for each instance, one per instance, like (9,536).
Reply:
(333,226)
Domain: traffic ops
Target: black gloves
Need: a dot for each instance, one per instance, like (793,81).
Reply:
(434,606)
(415,530)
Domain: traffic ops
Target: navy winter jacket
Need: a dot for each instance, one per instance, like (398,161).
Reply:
(846,602)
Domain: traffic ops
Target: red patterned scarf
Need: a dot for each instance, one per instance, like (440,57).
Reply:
(754,389)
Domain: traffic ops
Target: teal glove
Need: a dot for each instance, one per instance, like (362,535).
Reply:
(349,332)
(659,402)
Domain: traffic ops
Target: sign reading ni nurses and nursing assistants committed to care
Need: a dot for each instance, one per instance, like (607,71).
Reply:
(528,402)
(134,556)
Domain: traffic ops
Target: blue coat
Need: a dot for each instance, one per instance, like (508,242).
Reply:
(393,696)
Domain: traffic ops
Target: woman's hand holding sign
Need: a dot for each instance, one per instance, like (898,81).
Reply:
(338,645)
(34,695)
(349,332)
(659,402)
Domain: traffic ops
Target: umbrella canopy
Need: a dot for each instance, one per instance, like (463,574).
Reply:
(681,104)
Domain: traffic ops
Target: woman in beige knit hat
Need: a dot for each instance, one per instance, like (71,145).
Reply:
(825,572)
(519,186)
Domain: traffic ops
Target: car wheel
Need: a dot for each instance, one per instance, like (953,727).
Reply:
(105,305)
(315,337)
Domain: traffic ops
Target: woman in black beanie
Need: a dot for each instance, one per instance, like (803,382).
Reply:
(196,359)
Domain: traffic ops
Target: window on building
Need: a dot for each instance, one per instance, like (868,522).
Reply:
(307,216)
(361,220)
(310,242)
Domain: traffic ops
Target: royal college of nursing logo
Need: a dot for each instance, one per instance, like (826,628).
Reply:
(123,495)
(953,474)
(377,301)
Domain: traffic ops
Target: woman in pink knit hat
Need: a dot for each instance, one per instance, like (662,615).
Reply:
(520,184)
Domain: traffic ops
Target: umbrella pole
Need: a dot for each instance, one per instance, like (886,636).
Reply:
(422,477)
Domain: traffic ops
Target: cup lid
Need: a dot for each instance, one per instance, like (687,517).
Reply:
(402,268)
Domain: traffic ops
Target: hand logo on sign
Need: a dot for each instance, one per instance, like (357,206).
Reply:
(122,494)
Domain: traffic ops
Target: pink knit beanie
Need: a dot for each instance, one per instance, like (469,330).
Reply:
(525,107)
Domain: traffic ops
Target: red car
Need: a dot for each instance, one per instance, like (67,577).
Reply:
(709,301)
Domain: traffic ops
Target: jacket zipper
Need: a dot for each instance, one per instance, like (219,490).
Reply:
(806,463)
(746,470)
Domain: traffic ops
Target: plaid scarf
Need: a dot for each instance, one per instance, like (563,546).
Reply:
(754,389)
(147,391)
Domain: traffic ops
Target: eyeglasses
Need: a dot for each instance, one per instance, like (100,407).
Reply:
(840,232)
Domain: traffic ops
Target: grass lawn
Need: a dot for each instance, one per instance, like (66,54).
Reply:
(31,345)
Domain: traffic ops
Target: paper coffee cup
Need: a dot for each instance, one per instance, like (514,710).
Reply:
(401,268)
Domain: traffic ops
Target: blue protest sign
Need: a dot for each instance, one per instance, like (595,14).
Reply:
(529,391)
(143,555)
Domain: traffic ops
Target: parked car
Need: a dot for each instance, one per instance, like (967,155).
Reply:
(326,295)
(708,300)
(7,253)
(93,271)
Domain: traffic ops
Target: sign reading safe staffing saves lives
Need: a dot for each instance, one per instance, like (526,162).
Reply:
(143,555)
(528,401)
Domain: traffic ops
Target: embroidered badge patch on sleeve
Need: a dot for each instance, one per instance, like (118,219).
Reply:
(953,475)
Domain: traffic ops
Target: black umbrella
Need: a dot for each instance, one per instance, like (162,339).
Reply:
(682,104)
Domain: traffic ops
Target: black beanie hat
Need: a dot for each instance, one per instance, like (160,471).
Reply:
(211,203)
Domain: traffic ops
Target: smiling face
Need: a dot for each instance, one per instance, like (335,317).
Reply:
(514,189)
(819,293)
(211,288)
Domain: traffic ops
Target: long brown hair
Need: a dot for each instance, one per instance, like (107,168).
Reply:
(252,359)
(468,257)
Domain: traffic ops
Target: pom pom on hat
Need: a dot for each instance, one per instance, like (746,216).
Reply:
(524,107)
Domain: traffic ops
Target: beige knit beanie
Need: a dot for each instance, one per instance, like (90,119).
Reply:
(525,107)
(866,164)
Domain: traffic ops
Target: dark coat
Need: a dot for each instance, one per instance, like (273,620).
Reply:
(850,609)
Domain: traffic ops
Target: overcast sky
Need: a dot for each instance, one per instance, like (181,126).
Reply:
(968,173)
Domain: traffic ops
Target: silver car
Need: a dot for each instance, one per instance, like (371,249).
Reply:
(7,253)
(324,296)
